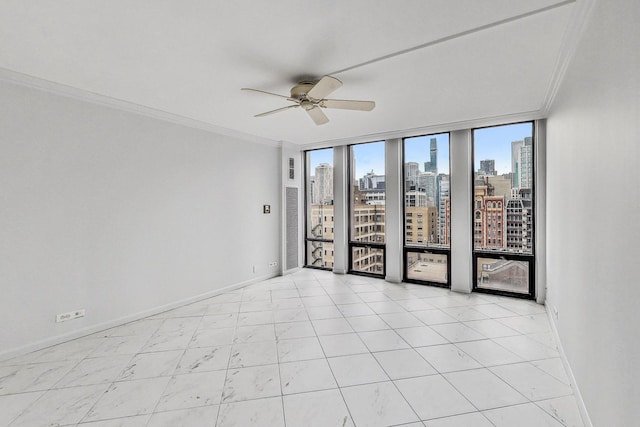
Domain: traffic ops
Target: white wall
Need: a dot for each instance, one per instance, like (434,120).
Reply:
(593,206)
(119,214)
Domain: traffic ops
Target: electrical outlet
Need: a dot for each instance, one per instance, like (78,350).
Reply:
(555,311)
(63,317)
(254,268)
(273,264)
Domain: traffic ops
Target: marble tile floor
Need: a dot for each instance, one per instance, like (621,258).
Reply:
(308,349)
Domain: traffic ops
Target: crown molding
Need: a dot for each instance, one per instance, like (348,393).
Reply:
(570,41)
(21,79)
(431,129)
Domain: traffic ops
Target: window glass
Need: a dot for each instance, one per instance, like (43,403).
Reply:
(503,189)
(366,259)
(319,197)
(367,207)
(427,267)
(320,254)
(502,275)
(367,193)
(426,191)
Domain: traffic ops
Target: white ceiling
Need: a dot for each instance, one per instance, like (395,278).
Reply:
(426,63)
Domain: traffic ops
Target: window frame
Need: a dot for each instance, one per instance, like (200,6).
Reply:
(422,248)
(308,239)
(351,244)
(530,259)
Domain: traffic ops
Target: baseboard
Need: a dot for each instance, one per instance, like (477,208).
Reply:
(574,385)
(59,339)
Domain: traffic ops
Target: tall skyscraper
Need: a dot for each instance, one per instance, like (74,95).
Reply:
(515,163)
(443,196)
(427,183)
(432,164)
(324,184)
(412,170)
(522,163)
(434,155)
(526,164)
(487,167)
(371,181)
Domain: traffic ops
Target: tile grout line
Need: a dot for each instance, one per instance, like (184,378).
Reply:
(111,383)
(391,297)
(153,411)
(437,373)
(284,414)
(333,375)
(226,373)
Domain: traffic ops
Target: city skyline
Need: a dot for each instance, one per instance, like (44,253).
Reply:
(492,143)
(417,149)
(502,206)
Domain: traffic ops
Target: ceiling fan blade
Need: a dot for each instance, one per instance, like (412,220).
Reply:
(317,116)
(276,111)
(324,87)
(347,104)
(268,93)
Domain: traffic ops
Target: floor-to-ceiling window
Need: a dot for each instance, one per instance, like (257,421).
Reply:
(502,221)
(503,207)
(427,227)
(367,208)
(319,208)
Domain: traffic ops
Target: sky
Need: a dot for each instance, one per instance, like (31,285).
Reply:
(369,157)
(418,149)
(320,156)
(494,143)
(489,143)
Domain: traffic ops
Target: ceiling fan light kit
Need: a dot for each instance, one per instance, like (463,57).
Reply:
(310,95)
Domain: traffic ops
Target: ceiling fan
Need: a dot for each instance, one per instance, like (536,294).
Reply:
(310,95)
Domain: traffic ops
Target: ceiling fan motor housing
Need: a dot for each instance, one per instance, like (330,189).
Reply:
(310,95)
(300,90)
